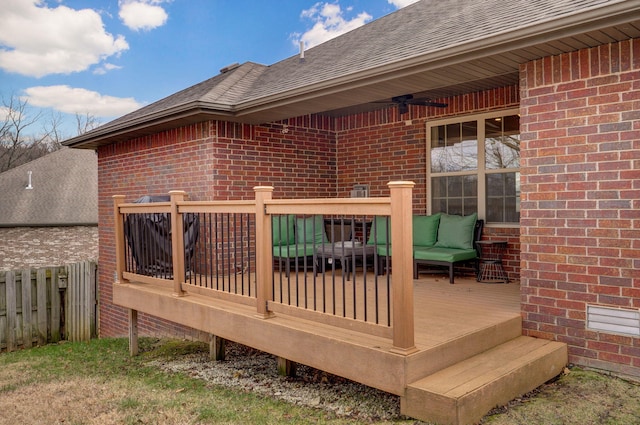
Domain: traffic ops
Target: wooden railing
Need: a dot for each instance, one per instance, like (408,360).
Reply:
(226,252)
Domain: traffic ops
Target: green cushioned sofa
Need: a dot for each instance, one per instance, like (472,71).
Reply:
(438,239)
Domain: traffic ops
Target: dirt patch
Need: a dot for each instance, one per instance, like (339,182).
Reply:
(73,401)
(79,401)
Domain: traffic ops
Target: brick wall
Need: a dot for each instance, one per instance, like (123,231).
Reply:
(22,247)
(581,198)
(377,147)
(210,160)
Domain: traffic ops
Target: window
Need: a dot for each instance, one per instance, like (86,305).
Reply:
(473,166)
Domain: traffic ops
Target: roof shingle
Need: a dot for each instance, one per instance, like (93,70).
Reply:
(65,191)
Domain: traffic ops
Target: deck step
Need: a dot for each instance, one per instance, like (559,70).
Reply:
(463,393)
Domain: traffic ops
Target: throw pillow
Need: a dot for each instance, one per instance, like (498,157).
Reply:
(311,230)
(425,229)
(282,230)
(378,233)
(456,231)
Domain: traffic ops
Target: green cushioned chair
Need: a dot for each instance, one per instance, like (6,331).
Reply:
(296,238)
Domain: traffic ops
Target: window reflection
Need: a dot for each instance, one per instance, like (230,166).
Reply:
(459,175)
(454,147)
(502,142)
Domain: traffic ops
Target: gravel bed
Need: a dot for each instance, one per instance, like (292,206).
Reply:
(251,370)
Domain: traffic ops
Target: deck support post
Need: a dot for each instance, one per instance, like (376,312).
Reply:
(264,251)
(286,367)
(177,241)
(216,348)
(118,227)
(402,276)
(133,332)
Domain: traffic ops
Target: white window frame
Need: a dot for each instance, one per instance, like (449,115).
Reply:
(481,172)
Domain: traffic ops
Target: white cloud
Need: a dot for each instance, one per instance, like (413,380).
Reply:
(142,14)
(36,40)
(399,4)
(329,23)
(106,67)
(80,101)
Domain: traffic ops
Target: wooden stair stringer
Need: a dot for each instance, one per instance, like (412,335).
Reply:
(463,393)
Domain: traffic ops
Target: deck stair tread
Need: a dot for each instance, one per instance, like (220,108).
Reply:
(464,392)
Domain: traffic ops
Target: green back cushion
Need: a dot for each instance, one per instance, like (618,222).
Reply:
(378,232)
(311,230)
(425,229)
(282,229)
(456,231)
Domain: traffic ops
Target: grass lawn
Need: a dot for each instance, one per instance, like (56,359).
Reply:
(98,383)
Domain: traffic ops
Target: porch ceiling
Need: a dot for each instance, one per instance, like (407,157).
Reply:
(475,65)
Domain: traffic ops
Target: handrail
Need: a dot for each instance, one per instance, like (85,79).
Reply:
(398,206)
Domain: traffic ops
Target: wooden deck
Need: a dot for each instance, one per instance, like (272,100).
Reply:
(452,352)
(453,324)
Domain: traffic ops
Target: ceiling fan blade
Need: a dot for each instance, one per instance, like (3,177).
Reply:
(425,101)
(436,104)
(407,99)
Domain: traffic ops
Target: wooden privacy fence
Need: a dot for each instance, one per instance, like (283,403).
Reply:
(48,304)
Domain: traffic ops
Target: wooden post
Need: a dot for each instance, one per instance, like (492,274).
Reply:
(11,311)
(41,302)
(402,275)
(286,367)
(118,230)
(216,348)
(177,241)
(133,332)
(27,329)
(264,251)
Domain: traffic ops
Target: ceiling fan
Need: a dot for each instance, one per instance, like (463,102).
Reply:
(405,100)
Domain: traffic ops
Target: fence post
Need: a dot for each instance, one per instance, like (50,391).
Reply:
(118,229)
(264,251)
(177,241)
(402,263)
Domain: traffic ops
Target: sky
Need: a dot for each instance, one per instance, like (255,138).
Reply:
(106,58)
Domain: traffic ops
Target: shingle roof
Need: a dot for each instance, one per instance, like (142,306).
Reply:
(221,90)
(65,191)
(432,46)
(419,29)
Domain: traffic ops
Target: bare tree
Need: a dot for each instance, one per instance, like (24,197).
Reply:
(25,134)
(86,123)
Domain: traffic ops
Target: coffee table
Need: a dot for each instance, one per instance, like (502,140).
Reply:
(346,252)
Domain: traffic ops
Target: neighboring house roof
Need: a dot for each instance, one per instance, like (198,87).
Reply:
(64,191)
(437,48)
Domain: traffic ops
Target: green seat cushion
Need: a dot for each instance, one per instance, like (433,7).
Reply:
(293,251)
(456,231)
(425,229)
(310,230)
(449,255)
(378,232)
(383,250)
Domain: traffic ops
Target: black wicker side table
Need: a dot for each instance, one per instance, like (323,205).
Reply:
(490,269)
